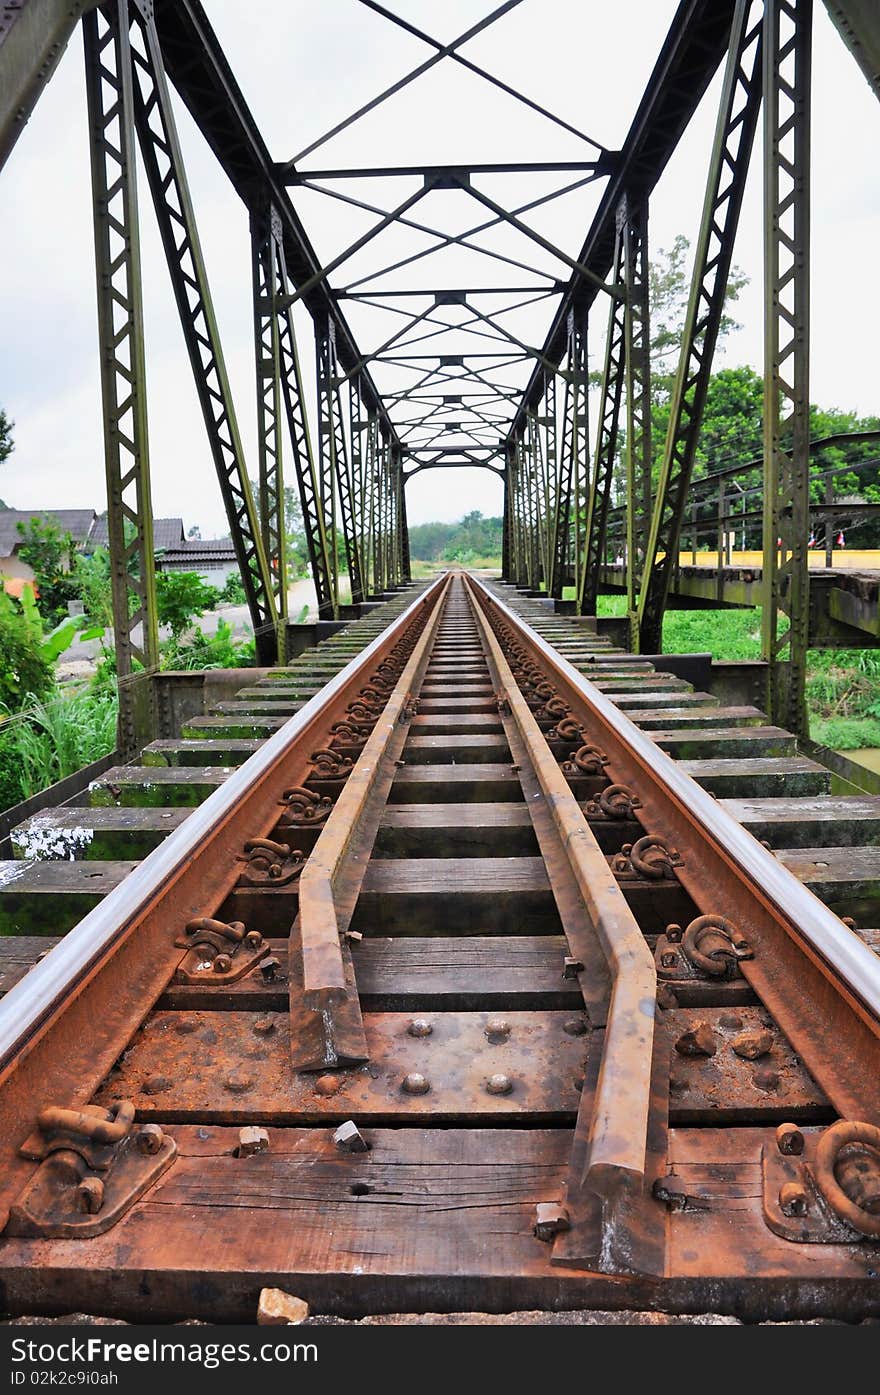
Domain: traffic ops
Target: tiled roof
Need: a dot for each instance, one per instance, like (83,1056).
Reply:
(77,522)
(167,533)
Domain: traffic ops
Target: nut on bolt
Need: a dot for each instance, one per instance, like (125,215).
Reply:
(150,1139)
(571,967)
(349,1138)
(789,1140)
(550,1220)
(90,1195)
(793,1199)
(269,968)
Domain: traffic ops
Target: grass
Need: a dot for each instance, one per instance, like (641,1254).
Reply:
(49,740)
(843,685)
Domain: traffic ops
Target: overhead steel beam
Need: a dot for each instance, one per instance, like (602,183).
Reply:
(859,24)
(33,36)
(694,47)
(197,66)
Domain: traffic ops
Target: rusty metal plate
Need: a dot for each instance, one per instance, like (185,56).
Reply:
(727,1087)
(235,1066)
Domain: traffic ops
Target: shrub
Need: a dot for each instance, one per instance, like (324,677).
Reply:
(181,598)
(198,650)
(233,592)
(48,740)
(25,669)
(50,554)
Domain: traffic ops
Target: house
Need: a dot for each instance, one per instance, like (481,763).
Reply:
(213,558)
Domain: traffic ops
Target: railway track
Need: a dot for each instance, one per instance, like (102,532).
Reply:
(455,975)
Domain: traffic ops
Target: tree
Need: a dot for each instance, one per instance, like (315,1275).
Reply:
(50,555)
(181,597)
(7,445)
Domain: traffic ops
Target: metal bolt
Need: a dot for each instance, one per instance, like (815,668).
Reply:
(349,1138)
(420,1027)
(571,967)
(264,1025)
(499,1084)
(497,1029)
(669,958)
(674,934)
(793,1199)
(90,1195)
(789,1140)
(550,1219)
(415,1083)
(269,968)
(253,939)
(251,1140)
(222,964)
(574,1027)
(150,1139)
(238,1082)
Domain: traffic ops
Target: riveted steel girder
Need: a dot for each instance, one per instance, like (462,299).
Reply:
(123,376)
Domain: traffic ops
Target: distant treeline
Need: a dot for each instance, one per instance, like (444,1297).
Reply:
(473,536)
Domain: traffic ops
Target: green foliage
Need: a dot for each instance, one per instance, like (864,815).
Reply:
(233,592)
(95,589)
(25,670)
(50,555)
(7,445)
(181,598)
(198,650)
(472,538)
(50,740)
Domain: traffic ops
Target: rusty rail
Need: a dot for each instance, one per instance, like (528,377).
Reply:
(620,1108)
(322,919)
(820,982)
(113,965)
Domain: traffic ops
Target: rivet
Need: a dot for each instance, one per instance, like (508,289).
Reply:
(415,1084)
(264,1025)
(420,1027)
(731,1020)
(497,1029)
(574,1027)
(766,1079)
(499,1085)
(789,1140)
(238,1082)
(793,1199)
(185,1025)
(155,1085)
(327,1085)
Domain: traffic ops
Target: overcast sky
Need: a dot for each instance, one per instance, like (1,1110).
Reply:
(303,66)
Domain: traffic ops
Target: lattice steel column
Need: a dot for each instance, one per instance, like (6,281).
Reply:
(123,376)
(633,216)
(334,471)
(606,441)
(573,456)
(506,524)
(787,58)
(265,238)
(160,147)
(728,168)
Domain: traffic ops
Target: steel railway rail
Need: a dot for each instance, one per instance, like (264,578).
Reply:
(457,990)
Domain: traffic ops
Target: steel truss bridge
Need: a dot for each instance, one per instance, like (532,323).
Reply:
(506,404)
